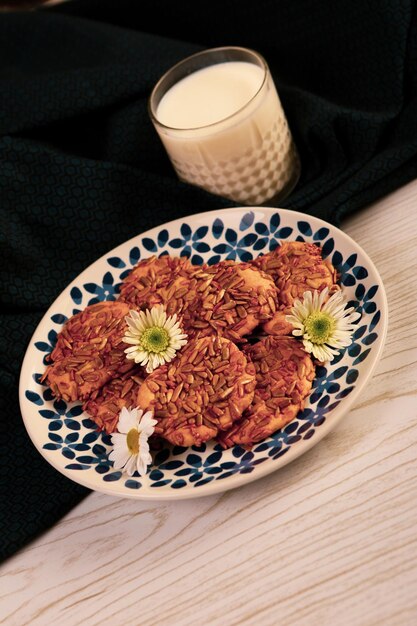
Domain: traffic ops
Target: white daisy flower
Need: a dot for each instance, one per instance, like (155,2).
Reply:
(153,336)
(130,444)
(325,327)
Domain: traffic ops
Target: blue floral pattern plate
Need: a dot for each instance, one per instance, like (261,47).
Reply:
(68,439)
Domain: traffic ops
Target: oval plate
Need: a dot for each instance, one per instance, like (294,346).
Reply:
(68,439)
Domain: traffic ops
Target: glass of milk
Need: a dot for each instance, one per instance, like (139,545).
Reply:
(220,119)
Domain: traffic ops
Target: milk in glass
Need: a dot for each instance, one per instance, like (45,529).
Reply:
(224,129)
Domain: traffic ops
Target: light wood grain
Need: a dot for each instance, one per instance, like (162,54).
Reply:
(330,539)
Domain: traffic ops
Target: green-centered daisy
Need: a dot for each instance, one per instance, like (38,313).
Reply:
(153,336)
(130,444)
(325,325)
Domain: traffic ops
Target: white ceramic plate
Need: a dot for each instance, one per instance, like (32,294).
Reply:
(67,438)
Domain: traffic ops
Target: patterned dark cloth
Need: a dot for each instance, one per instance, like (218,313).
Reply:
(82,169)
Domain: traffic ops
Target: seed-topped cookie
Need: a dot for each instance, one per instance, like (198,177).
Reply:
(206,388)
(284,375)
(295,267)
(106,403)
(229,299)
(142,285)
(98,324)
(236,300)
(174,282)
(171,281)
(89,351)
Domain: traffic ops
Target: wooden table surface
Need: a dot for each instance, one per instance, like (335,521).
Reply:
(330,539)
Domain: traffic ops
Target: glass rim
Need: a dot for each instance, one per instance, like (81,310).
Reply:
(201,53)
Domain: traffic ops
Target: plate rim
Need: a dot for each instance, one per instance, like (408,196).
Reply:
(239,479)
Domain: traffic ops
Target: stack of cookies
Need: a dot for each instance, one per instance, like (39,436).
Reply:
(240,377)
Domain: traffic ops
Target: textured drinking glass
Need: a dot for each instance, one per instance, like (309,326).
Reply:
(240,149)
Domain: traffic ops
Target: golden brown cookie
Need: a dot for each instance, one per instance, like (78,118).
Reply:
(229,299)
(105,405)
(77,376)
(89,351)
(149,282)
(98,324)
(172,281)
(236,300)
(284,375)
(207,387)
(295,267)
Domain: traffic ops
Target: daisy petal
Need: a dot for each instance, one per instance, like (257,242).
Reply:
(118,439)
(126,421)
(171,323)
(141,466)
(119,457)
(130,466)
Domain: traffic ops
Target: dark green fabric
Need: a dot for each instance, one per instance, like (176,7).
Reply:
(82,169)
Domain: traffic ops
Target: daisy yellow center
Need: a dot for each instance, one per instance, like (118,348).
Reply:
(132,441)
(155,339)
(319,327)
